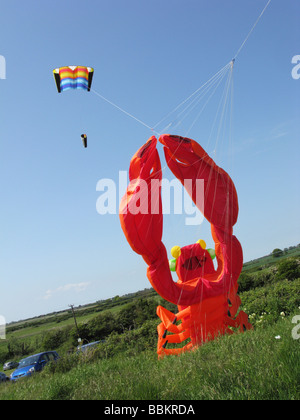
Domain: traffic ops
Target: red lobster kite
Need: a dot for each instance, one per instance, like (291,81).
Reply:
(206,297)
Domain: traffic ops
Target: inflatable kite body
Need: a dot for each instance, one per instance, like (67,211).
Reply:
(73,77)
(207,300)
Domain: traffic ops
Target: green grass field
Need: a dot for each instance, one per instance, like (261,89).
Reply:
(251,366)
(258,365)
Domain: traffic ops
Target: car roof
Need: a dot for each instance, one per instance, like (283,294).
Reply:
(39,354)
(89,344)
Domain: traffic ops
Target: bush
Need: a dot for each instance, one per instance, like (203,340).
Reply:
(62,365)
(258,279)
(132,316)
(288,269)
(130,342)
(17,348)
(3,355)
(96,329)
(56,338)
(245,282)
(277,252)
(273,299)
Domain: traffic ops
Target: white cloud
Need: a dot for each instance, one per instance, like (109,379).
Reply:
(76,287)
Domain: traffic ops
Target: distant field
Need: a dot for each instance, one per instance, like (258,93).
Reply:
(83,313)
(30,330)
(269,260)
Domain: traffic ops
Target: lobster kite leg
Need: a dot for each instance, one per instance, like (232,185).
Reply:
(179,334)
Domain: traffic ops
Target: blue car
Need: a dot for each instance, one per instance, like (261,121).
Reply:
(33,364)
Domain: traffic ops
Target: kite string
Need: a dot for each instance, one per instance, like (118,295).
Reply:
(200,112)
(123,110)
(252,29)
(196,91)
(211,84)
(212,79)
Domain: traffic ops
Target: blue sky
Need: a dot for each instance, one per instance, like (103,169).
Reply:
(55,248)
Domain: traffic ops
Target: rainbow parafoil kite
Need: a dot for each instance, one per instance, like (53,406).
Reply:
(73,77)
(207,300)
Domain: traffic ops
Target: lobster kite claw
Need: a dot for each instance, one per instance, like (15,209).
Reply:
(189,161)
(141,209)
